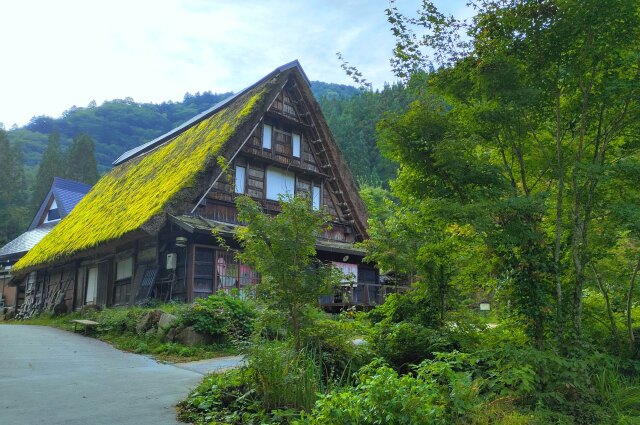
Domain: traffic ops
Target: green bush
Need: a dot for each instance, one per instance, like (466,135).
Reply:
(277,384)
(284,377)
(332,341)
(228,398)
(119,320)
(435,393)
(406,343)
(414,306)
(221,316)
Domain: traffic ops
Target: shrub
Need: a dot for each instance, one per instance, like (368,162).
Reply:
(286,378)
(332,341)
(414,306)
(221,316)
(278,383)
(437,393)
(406,343)
(225,398)
(119,320)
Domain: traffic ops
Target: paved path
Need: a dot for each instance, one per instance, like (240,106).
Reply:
(50,376)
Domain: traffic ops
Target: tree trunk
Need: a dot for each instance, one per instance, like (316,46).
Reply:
(443,296)
(612,320)
(557,251)
(632,285)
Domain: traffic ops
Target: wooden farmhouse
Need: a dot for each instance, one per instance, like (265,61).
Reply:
(145,229)
(60,200)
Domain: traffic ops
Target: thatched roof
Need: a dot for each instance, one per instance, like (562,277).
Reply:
(136,191)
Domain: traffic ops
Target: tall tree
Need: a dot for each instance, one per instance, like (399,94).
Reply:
(51,166)
(532,103)
(282,250)
(13,212)
(81,160)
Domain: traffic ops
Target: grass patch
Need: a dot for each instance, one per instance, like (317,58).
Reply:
(117,327)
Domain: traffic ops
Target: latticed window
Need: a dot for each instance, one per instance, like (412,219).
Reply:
(219,270)
(123,285)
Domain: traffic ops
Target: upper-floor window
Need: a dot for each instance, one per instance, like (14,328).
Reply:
(266,136)
(316,197)
(295,145)
(241,173)
(53,214)
(280,183)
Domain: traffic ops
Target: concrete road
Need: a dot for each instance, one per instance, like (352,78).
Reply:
(49,376)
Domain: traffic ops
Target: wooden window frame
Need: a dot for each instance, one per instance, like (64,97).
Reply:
(215,277)
(264,128)
(244,179)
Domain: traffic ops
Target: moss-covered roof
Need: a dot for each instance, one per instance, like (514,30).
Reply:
(140,189)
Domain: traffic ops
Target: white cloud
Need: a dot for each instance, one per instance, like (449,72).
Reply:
(69,52)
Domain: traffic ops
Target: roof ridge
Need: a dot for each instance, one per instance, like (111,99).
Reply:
(74,182)
(145,147)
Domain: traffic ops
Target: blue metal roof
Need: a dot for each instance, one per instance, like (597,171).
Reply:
(67,194)
(132,153)
(26,241)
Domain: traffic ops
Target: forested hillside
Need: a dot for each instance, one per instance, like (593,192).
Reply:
(121,124)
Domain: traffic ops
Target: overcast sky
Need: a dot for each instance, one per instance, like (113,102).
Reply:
(60,53)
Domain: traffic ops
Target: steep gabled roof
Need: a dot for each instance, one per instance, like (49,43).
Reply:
(157,177)
(67,194)
(133,193)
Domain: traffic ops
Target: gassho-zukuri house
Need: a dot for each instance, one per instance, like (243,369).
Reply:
(145,228)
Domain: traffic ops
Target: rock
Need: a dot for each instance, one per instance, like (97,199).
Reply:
(151,332)
(147,321)
(171,334)
(166,321)
(10,314)
(188,336)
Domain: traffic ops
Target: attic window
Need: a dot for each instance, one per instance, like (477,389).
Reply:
(53,214)
(316,197)
(295,142)
(266,136)
(241,173)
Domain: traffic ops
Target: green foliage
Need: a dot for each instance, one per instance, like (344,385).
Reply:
(353,121)
(119,320)
(117,326)
(414,306)
(286,377)
(332,343)
(405,344)
(52,165)
(278,383)
(437,393)
(80,161)
(13,213)
(521,118)
(222,315)
(281,248)
(223,398)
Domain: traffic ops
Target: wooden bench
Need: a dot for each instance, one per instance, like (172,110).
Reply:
(86,323)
